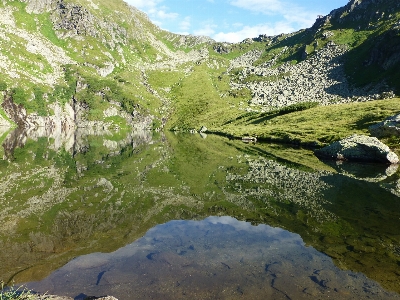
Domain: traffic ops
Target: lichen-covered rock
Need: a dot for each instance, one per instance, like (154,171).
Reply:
(358,148)
(389,127)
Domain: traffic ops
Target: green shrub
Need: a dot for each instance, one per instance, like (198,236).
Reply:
(40,101)
(156,124)
(3,86)
(19,96)
(297,107)
(19,293)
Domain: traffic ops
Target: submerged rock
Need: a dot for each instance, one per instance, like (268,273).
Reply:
(389,127)
(359,148)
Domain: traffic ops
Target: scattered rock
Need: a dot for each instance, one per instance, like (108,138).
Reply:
(249,139)
(203,135)
(389,127)
(359,148)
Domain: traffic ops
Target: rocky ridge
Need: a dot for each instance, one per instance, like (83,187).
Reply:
(320,78)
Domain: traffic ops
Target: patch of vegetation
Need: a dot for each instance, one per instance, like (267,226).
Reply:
(287,48)
(46,29)
(22,19)
(16,293)
(209,103)
(3,86)
(297,107)
(20,96)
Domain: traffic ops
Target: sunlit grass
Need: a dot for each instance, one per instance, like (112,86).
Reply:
(316,126)
(16,293)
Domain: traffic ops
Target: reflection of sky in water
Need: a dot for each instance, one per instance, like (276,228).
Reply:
(218,258)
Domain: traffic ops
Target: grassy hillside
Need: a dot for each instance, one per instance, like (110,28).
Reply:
(317,126)
(112,55)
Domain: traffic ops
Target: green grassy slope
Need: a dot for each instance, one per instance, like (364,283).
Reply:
(119,56)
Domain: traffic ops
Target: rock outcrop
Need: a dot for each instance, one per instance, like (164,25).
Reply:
(16,112)
(359,148)
(389,127)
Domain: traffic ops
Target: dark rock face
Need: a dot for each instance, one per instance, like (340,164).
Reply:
(387,128)
(15,112)
(75,18)
(361,11)
(222,48)
(359,148)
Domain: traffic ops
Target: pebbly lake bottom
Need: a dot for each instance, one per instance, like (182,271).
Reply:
(216,258)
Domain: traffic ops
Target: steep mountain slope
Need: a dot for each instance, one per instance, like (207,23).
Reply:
(83,53)
(78,62)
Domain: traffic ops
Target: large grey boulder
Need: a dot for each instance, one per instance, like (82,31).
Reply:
(389,127)
(358,148)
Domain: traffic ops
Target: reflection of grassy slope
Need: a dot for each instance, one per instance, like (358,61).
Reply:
(373,214)
(195,161)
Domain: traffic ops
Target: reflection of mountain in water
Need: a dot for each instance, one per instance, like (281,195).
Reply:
(62,204)
(72,140)
(267,179)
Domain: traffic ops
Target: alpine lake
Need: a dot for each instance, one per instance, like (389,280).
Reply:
(148,215)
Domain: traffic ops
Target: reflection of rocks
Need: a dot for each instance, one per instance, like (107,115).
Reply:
(275,181)
(15,139)
(71,139)
(358,148)
(135,138)
(393,187)
(363,171)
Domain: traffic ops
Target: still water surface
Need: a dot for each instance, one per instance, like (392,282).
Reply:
(163,216)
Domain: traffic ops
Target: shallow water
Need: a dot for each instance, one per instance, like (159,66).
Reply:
(239,220)
(217,258)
